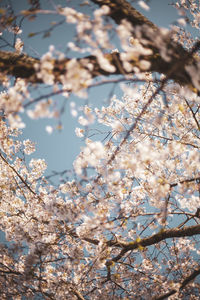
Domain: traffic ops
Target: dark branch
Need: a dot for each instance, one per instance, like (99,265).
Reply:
(152,240)
(23,66)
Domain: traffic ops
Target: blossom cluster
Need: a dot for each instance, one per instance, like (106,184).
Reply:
(116,226)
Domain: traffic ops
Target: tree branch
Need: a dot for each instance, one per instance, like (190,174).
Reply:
(20,177)
(154,239)
(187,280)
(77,293)
(23,66)
(122,10)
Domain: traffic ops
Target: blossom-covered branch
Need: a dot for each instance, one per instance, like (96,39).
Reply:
(124,222)
(154,239)
(165,51)
(163,54)
(181,286)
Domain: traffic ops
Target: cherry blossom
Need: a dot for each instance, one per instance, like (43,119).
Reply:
(123,223)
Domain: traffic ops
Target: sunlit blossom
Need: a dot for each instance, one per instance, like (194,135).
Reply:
(123,222)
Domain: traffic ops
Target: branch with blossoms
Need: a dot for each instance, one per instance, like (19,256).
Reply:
(19,176)
(152,240)
(152,50)
(181,286)
(140,244)
(165,51)
(175,67)
(125,221)
(26,67)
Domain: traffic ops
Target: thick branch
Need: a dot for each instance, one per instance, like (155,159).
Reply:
(18,65)
(145,242)
(122,10)
(23,66)
(154,239)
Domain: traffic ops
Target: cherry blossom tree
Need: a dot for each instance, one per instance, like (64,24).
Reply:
(125,223)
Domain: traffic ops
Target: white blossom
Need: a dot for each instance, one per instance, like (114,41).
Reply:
(143,5)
